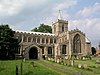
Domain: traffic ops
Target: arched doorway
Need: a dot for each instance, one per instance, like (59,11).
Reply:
(33,53)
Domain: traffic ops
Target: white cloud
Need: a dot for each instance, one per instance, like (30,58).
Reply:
(13,7)
(35,2)
(89,26)
(60,5)
(10,7)
(53,18)
(64,4)
(88,11)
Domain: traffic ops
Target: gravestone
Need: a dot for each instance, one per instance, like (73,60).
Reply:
(58,61)
(48,58)
(83,58)
(52,59)
(98,61)
(85,66)
(72,62)
(68,61)
(32,63)
(79,66)
(77,57)
(24,59)
(66,57)
(64,61)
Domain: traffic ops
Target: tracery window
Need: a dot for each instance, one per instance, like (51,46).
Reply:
(77,44)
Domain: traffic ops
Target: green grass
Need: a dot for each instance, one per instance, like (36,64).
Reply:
(91,70)
(8,68)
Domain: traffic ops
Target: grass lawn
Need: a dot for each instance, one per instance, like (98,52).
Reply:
(8,68)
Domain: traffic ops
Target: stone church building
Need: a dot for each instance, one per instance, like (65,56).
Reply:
(59,43)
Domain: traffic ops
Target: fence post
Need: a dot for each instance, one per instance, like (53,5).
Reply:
(16,69)
(21,68)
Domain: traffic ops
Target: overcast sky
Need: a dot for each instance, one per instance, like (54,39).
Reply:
(27,14)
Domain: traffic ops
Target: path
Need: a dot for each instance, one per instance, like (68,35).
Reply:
(60,68)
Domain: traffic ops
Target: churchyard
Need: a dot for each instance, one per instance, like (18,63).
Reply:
(85,66)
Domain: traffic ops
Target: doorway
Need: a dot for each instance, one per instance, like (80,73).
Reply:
(33,53)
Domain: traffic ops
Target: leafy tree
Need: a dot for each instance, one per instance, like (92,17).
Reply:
(8,43)
(43,28)
(93,50)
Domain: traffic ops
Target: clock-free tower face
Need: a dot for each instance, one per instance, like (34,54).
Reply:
(60,26)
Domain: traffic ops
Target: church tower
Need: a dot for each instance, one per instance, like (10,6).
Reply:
(60,25)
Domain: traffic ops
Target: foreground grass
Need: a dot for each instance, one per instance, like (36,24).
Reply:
(8,68)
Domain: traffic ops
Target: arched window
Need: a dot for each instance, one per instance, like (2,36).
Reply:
(51,40)
(29,39)
(62,27)
(77,44)
(63,49)
(25,39)
(42,40)
(42,48)
(46,40)
(38,40)
(49,50)
(55,40)
(34,39)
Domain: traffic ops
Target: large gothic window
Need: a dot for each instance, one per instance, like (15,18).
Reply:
(77,44)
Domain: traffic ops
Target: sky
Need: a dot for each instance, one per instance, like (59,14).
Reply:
(27,14)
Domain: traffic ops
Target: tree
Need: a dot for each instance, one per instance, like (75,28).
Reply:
(8,43)
(93,50)
(43,28)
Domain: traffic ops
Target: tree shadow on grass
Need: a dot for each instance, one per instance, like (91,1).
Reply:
(29,73)
(1,69)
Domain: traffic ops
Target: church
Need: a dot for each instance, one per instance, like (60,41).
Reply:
(60,43)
